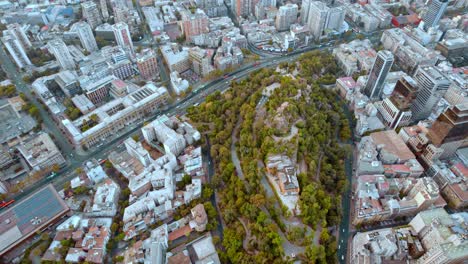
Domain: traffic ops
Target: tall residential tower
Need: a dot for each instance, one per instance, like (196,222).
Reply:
(86,36)
(61,53)
(123,37)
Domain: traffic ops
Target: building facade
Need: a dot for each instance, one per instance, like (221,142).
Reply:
(287,15)
(91,14)
(382,65)
(86,36)
(432,86)
(147,64)
(123,37)
(62,54)
(434,13)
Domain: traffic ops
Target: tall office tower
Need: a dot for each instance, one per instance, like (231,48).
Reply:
(86,36)
(242,8)
(17,30)
(91,14)
(395,110)
(147,64)
(287,15)
(382,64)
(61,53)
(104,11)
(336,16)
(432,86)
(123,37)
(305,8)
(16,50)
(434,13)
(449,131)
(194,24)
(317,19)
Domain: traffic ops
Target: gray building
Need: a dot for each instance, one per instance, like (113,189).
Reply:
(382,65)
(434,13)
(432,86)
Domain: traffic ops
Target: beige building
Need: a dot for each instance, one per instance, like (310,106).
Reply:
(442,235)
(106,121)
(176,57)
(40,152)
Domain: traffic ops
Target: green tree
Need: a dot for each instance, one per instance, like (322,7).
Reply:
(207,192)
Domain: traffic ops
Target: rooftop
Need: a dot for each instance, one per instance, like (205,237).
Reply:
(390,142)
(31,214)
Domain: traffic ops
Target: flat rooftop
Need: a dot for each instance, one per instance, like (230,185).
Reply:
(13,123)
(393,144)
(30,215)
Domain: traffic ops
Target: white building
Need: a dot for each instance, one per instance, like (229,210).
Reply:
(178,84)
(176,57)
(105,199)
(91,14)
(115,116)
(442,235)
(86,36)
(173,134)
(287,15)
(321,18)
(123,37)
(40,152)
(16,50)
(61,53)
(17,30)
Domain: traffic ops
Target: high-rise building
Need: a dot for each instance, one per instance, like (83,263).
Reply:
(335,18)
(86,36)
(16,50)
(395,111)
(287,15)
(432,86)
(17,30)
(383,63)
(147,64)
(104,11)
(123,37)
(434,13)
(242,8)
(305,8)
(194,24)
(449,130)
(91,14)
(317,19)
(61,53)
